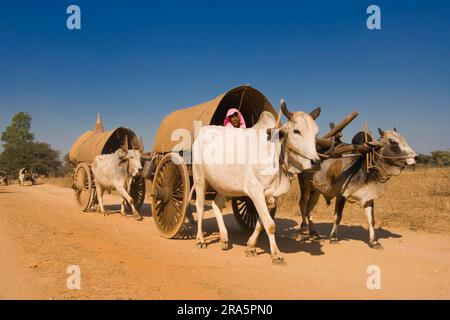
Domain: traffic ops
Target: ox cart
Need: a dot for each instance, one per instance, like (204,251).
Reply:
(83,153)
(26,174)
(172,175)
(3,178)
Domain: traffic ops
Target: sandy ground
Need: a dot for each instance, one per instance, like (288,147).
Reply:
(42,232)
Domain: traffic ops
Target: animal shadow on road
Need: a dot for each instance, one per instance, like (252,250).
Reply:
(145,211)
(286,235)
(358,233)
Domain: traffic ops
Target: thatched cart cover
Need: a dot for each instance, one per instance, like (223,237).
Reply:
(93,143)
(212,112)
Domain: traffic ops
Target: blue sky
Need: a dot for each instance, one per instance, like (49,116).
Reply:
(136,61)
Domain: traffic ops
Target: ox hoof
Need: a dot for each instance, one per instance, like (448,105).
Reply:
(138,218)
(334,241)
(314,236)
(201,245)
(224,245)
(251,252)
(278,260)
(376,245)
(301,236)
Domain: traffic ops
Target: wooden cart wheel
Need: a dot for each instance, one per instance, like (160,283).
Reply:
(82,185)
(137,192)
(245,213)
(170,192)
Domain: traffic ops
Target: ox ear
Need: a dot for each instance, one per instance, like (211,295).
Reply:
(381,131)
(275,134)
(315,113)
(395,129)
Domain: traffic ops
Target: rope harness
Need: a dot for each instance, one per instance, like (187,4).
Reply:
(287,148)
(376,164)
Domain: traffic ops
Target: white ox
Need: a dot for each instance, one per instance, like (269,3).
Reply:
(263,180)
(115,172)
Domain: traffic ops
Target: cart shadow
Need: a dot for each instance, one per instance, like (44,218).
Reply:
(287,231)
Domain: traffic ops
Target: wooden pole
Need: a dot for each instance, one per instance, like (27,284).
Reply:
(339,127)
(279,115)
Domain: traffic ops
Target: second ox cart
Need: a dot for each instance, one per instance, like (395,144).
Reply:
(83,153)
(172,175)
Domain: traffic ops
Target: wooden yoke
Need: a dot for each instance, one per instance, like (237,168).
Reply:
(341,125)
(325,141)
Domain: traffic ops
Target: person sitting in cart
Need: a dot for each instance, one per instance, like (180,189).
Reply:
(234,119)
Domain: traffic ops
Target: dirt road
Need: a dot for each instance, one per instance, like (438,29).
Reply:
(42,232)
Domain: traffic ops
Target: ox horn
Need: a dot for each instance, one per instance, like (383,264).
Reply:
(284,109)
(315,113)
(381,132)
(141,145)
(125,144)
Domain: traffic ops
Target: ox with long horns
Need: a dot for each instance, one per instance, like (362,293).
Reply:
(354,179)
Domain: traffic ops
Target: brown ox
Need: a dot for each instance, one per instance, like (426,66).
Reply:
(346,179)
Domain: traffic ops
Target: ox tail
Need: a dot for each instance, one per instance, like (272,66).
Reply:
(191,193)
(189,216)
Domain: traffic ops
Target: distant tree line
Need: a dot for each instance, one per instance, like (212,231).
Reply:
(439,158)
(21,150)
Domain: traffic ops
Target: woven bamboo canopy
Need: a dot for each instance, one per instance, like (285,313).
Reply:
(93,143)
(247,99)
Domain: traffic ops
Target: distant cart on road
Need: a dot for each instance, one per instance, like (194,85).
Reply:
(26,174)
(3,178)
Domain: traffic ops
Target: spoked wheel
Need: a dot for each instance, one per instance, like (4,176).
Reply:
(82,185)
(137,192)
(170,195)
(246,214)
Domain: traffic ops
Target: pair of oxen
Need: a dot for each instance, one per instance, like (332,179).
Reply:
(345,178)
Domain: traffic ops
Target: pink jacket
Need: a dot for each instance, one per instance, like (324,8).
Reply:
(227,122)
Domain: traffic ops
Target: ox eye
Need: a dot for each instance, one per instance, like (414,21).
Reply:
(393,142)
(297,132)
